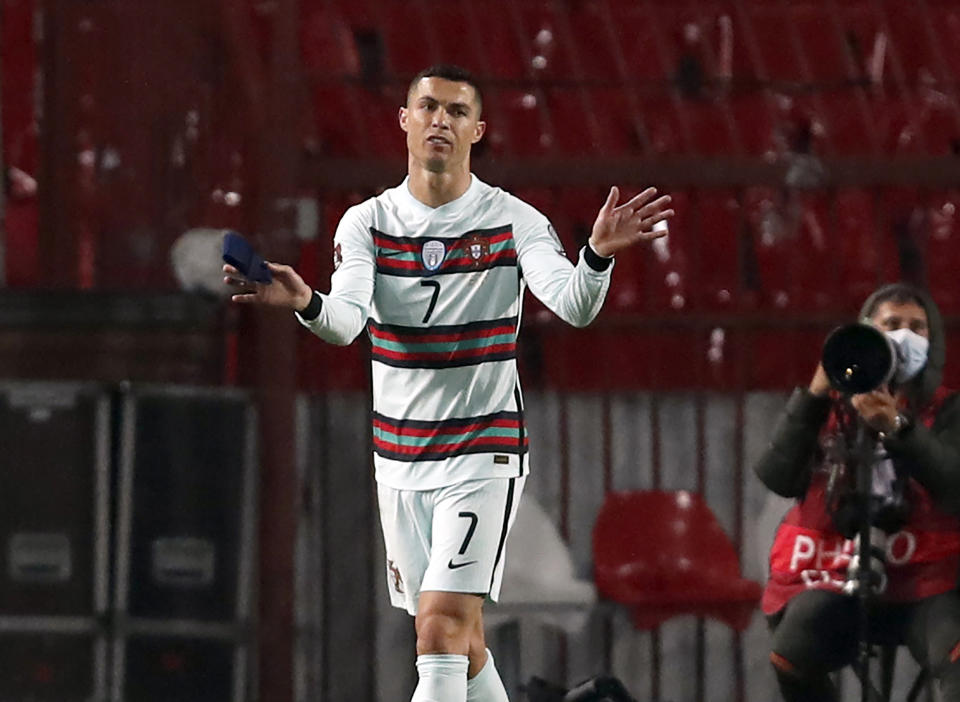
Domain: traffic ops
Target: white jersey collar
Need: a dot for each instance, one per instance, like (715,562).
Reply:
(448,207)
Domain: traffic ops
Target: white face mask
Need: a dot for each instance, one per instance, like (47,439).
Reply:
(911,353)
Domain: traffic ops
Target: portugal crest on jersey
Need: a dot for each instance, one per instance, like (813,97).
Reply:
(476,248)
(432,254)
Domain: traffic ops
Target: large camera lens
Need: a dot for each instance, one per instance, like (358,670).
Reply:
(858,358)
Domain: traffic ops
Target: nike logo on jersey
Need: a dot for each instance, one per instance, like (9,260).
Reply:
(453,566)
(390,253)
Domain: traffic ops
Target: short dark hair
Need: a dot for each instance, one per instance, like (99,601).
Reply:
(898,293)
(448,71)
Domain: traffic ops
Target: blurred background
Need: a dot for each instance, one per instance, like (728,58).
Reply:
(186,498)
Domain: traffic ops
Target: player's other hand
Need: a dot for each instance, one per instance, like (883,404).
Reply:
(286,290)
(620,226)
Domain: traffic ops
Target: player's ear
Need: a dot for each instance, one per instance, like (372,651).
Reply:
(479,131)
(402,117)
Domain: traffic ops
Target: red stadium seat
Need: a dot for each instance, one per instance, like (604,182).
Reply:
(898,124)
(865,247)
(910,45)
(847,122)
(521,126)
(664,554)
(860,24)
(456,37)
(22,244)
(939,123)
(403,26)
(780,358)
(598,50)
(359,14)
(656,278)
(721,285)
(327,44)
(824,48)
(621,118)
(578,207)
(770,32)
(945,23)
(813,279)
(545,37)
(663,132)
(753,116)
(500,42)
(576,122)
(942,249)
(793,247)
(711,125)
(768,246)
(637,39)
(337,114)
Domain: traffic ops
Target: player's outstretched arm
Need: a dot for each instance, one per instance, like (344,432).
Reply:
(620,226)
(287,289)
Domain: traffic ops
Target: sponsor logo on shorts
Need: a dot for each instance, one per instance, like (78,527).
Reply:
(453,566)
(501,460)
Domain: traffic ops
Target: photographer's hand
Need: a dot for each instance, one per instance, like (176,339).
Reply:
(878,409)
(820,385)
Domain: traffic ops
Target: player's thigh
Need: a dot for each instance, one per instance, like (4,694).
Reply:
(406,519)
(471,521)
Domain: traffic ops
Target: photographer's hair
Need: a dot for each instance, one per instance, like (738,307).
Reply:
(451,72)
(898,293)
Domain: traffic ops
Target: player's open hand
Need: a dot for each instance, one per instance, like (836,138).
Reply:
(286,290)
(618,227)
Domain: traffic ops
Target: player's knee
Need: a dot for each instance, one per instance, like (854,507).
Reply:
(444,632)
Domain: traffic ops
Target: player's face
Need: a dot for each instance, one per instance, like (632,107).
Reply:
(890,316)
(442,122)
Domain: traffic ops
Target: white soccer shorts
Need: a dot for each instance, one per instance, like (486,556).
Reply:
(451,539)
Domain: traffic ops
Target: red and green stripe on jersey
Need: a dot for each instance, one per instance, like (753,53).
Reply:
(419,440)
(477,250)
(444,346)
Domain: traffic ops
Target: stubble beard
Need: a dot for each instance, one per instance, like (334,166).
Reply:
(435,165)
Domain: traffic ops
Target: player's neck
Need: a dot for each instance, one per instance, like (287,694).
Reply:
(435,189)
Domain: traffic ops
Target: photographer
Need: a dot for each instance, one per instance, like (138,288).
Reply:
(913,426)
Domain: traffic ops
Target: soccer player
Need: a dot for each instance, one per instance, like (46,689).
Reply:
(436,268)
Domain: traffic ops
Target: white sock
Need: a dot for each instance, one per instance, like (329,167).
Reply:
(443,678)
(486,686)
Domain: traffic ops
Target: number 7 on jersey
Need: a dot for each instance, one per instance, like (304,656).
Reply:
(435,284)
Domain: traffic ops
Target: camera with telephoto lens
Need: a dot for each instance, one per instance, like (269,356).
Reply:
(858,358)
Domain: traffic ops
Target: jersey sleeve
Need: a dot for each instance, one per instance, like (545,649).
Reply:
(345,309)
(575,293)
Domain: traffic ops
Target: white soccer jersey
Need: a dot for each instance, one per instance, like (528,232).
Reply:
(440,291)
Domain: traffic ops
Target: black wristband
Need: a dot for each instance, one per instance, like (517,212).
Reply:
(594,260)
(312,311)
